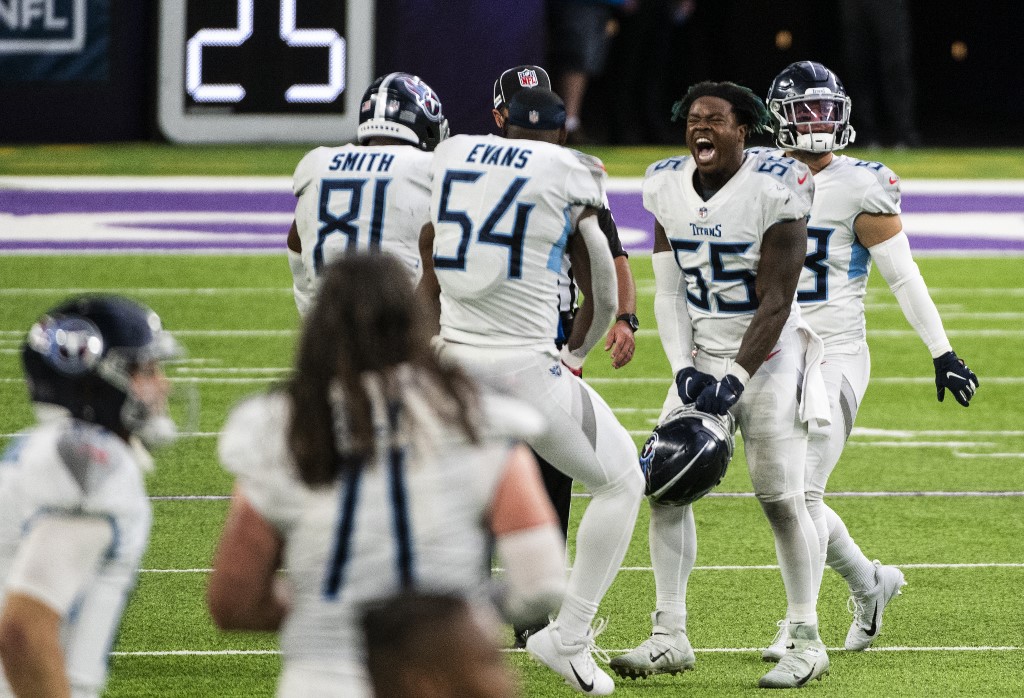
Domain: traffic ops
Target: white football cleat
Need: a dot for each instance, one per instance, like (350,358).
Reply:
(774,651)
(805,659)
(666,651)
(572,662)
(867,608)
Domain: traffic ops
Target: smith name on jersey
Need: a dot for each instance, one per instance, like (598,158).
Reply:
(362,198)
(717,243)
(503,211)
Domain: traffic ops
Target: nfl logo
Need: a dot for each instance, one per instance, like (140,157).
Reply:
(528,78)
(534,116)
(702,212)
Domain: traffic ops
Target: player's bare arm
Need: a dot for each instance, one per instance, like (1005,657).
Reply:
(294,242)
(875,228)
(429,289)
(620,341)
(584,317)
(30,647)
(243,592)
(782,256)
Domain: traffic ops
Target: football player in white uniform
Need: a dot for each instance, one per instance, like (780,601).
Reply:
(376,470)
(370,196)
(619,341)
(74,515)
(504,212)
(730,238)
(855,219)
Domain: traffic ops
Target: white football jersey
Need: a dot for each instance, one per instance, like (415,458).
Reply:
(362,198)
(835,274)
(71,468)
(403,520)
(503,211)
(717,243)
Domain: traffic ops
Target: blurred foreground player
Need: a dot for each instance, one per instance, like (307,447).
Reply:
(74,515)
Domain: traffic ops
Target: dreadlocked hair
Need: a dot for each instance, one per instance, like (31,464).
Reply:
(749,108)
(365,329)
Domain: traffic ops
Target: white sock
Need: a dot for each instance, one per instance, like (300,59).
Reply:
(845,556)
(601,543)
(816,509)
(673,540)
(796,546)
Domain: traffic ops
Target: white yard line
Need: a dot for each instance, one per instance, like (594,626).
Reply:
(713,568)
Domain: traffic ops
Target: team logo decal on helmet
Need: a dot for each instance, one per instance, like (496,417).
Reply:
(400,106)
(425,97)
(686,456)
(85,355)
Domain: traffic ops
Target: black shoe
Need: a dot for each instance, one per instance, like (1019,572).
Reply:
(523,633)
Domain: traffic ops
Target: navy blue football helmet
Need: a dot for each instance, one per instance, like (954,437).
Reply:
(400,105)
(81,356)
(686,456)
(810,109)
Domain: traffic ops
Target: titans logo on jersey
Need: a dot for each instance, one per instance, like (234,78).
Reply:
(362,198)
(717,243)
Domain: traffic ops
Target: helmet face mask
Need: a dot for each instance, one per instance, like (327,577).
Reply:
(403,107)
(811,109)
(99,359)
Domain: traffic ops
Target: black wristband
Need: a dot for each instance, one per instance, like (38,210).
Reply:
(631,320)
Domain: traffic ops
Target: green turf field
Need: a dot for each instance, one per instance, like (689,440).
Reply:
(164,159)
(926,468)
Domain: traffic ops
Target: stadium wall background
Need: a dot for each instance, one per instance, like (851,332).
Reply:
(458,46)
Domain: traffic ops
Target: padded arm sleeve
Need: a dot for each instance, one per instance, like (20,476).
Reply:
(58,557)
(900,271)
(534,561)
(302,282)
(670,311)
(604,286)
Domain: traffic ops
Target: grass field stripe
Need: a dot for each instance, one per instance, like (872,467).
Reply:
(910,433)
(194,653)
(706,568)
(642,288)
(511,650)
(892,380)
(229,370)
(189,497)
(921,444)
(961,454)
(712,495)
(639,333)
(157,291)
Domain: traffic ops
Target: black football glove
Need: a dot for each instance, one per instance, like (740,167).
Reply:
(951,372)
(690,383)
(718,397)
